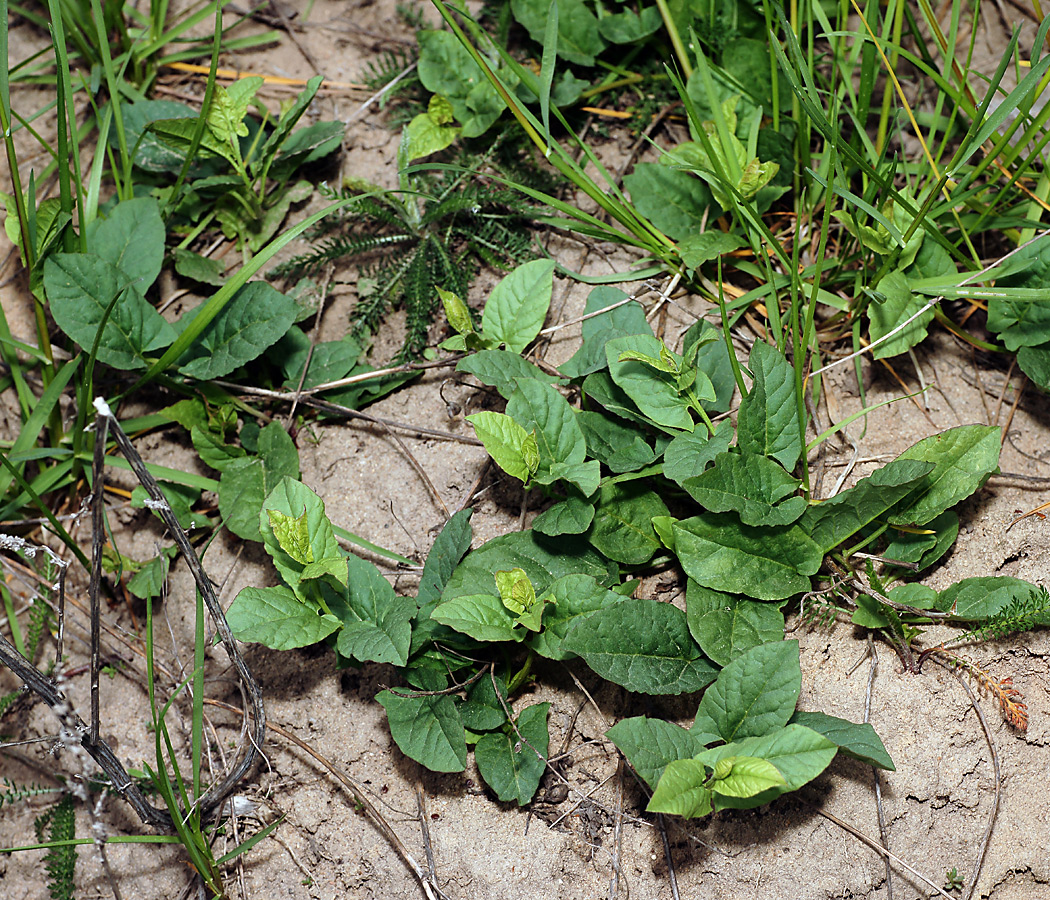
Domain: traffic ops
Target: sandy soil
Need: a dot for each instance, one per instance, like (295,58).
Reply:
(597,841)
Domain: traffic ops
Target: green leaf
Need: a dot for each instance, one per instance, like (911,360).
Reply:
(963,460)
(974,599)
(543,562)
(457,312)
(696,249)
(511,447)
(602,327)
(674,201)
(833,521)
(512,763)
(728,625)
(148,582)
(627,27)
(617,446)
(501,369)
(579,40)
(745,776)
(755,693)
(429,132)
(642,645)
(427,729)
(571,516)
(1035,363)
(569,598)
(293,535)
(623,523)
(80,287)
(650,744)
(767,424)
(688,455)
(541,410)
(152,154)
(682,790)
(799,754)
(585,475)
(515,590)
(131,238)
(447,68)
(246,482)
(376,623)
(199,268)
(480,616)
(925,549)
(256,317)
(229,106)
(275,617)
(482,710)
(517,306)
(899,306)
(1024,322)
(295,499)
(859,741)
(719,552)
(753,486)
(654,393)
(449,548)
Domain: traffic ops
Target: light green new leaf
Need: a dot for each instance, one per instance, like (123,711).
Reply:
(835,520)
(517,306)
(293,534)
(728,625)
(857,740)
(80,288)
(650,744)
(427,729)
(229,106)
(799,754)
(756,693)
(569,598)
(480,616)
(643,645)
(756,487)
(275,617)
(623,523)
(654,393)
(511,447)
(246,482)
(256,317)
(718,551)
(682,790)
(767,424)
(513,762)
(963,459)
(295,499)
(131,237)
(376,622)
(429,132)
(745,776)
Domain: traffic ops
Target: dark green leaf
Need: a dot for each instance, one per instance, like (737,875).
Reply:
(256,317)
(579,40)
(767,424)
(619,447)
(540,409)
(151,154)
(713,360)
(480,616)
(925,549)
(899,306)
(199,268)
(755,694)
(572,516)
(753,486)
(500,368)
(1024,322)
(427,729)
(1035,363)
(859,741)
(275,617)
(963,460)
(449,548)
(627,27)
(650,744)
(696,249)
(512,763)
(623,523)
(246,482)
(728,625)
(974,599)
(675,201)
(80,287)
(689,454)
(447,68)
(131,238)
(569,598)
(642,645)
(376,622)
(600,388)
(719,552)
(598,330)
(833,521)
(654,393)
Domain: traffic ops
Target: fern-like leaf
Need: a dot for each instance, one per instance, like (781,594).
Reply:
(59,823)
